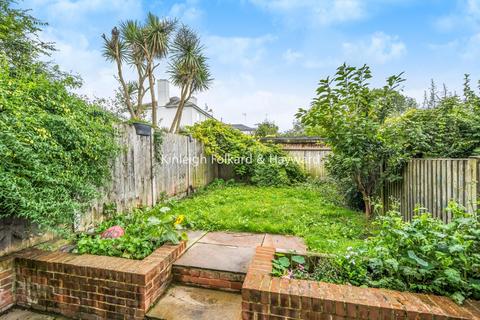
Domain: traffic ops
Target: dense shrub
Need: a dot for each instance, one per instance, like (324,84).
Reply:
(450,130)
(425,255)
(262,164)
(55,148)
(145,230)
(373,132)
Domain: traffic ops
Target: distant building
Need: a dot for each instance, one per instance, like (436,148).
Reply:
(167,108)
(245,129)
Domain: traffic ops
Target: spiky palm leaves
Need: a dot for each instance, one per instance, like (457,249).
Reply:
(115,50)
(188,69)
(139,45)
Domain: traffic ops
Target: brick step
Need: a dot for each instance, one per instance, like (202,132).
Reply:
(208,278)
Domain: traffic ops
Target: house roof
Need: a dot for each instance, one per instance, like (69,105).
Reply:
(241,127)
(174,101)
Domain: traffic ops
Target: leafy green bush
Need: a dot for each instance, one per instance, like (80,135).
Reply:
(425,255)
(264,165)
(450,130)
(145,230)
(55,148)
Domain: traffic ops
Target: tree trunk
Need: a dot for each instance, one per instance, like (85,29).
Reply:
(177,129)
(126,96)
(141,89)
(151,81)
(178,115)
(368,206)
(367,200)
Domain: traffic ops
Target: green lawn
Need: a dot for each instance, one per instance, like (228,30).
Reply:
(309,212)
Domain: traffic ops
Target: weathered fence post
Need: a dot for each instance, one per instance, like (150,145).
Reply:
(474,186)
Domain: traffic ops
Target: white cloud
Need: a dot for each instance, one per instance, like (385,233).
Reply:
(466,15)
(79,58)
(471,50)
(78,25)
(380,48)
(244,51)
(325,12)
(464,48)
(231,98)
(187,12)
(291,56)
(70,11)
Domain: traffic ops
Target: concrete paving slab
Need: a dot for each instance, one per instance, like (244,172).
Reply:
(194,236)
(239,239)
(188,303)
(217,257)
(19,314)
(285,242)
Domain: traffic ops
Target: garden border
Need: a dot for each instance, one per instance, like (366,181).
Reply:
(265,296)
(92,287)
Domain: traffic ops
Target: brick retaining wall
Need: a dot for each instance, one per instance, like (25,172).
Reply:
(93,287)
(7,279)
(267,297)
(213,279)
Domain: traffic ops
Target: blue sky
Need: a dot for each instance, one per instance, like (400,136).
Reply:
(267,56)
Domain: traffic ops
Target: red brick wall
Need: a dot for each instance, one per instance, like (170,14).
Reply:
(93,287)
(228,281)
(7,280)
(269,297)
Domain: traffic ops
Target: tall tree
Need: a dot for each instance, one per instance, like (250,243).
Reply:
(188,69)
(156,35)
(349,114)
(114,50)
(140,45)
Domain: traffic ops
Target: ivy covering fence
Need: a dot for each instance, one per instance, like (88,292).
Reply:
(55,148)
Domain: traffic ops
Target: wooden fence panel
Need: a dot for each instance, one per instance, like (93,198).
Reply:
(141,175)
(428,185)
(311,160)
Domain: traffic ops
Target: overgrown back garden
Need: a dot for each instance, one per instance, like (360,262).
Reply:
(57,150)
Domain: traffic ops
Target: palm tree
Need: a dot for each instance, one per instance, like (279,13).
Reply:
(141,46)
(188,69)
(115,50)
(156,36)
(131,35)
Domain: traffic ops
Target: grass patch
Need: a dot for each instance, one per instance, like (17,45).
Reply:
(310,211)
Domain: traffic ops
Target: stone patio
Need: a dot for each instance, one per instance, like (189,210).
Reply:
(188,303)
(231,251)
(20,314)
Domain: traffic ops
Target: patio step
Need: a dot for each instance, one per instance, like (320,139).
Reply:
(188,303)
(209,276)
(219,260)
(205,278)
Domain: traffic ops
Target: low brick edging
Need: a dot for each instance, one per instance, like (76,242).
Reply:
(267,297)
(7,279)
(206,278)
(93,287)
